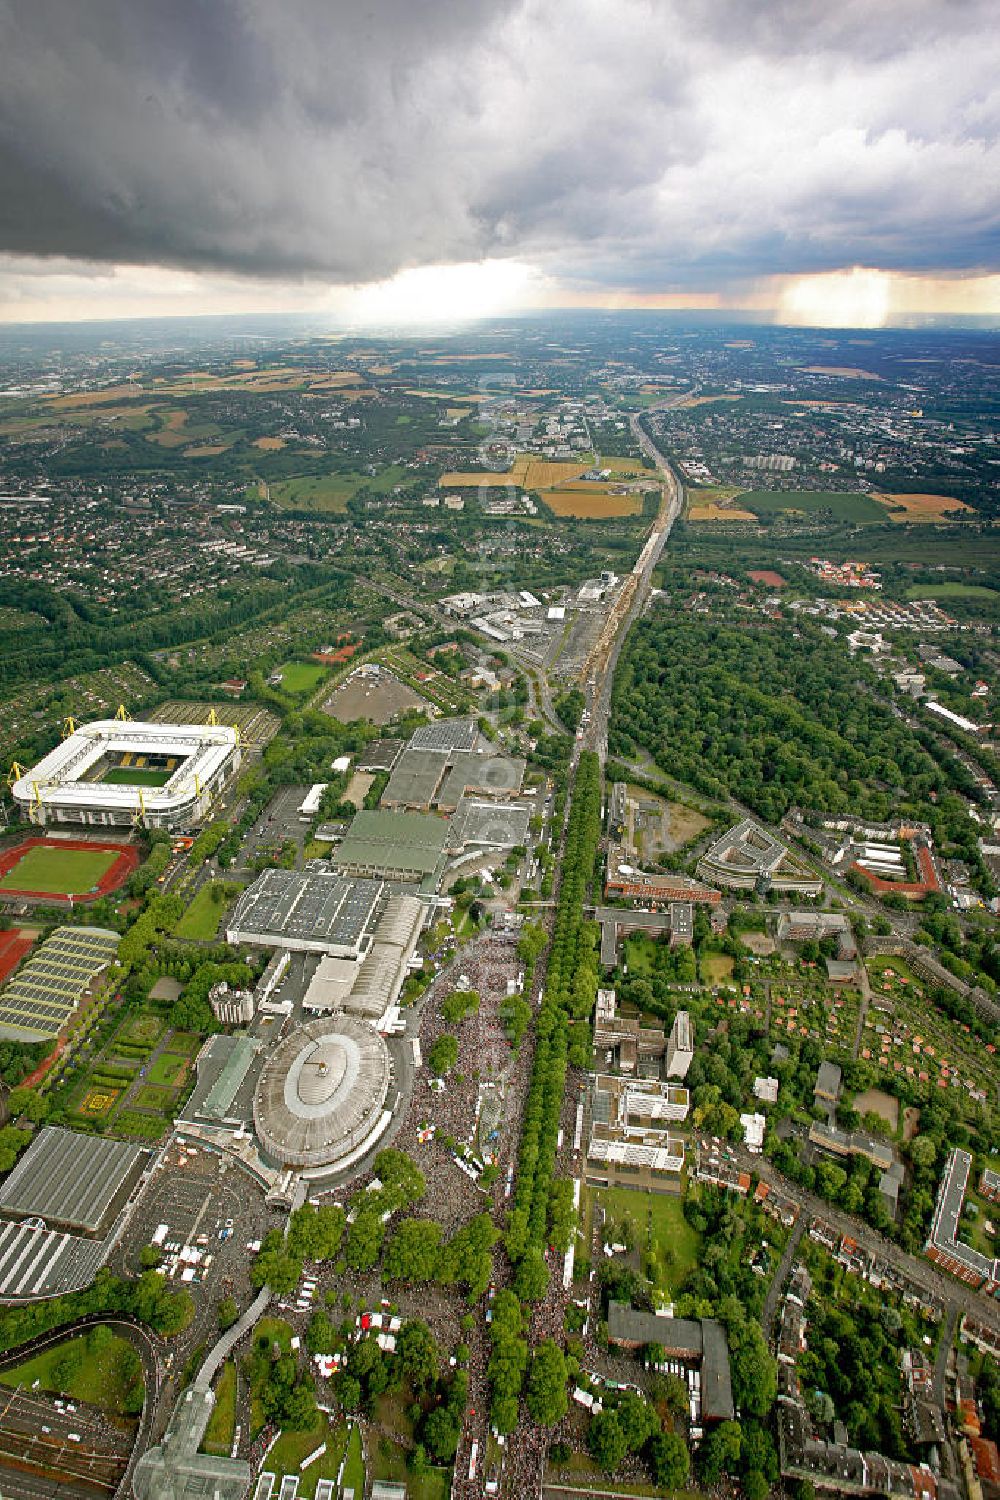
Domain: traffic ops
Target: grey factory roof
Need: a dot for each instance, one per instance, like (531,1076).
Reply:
(41,998)
(223,1065)
(489,775)
(380,755)
(446,734)
(415,778)
(396,845)
(488,824)
(71,1180)
(322,1092)
(316,910)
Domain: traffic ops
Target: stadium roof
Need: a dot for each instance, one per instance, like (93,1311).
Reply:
(322,1092)
(59,782)
(395,845)
(318,911)
(43,995)
(72,1180)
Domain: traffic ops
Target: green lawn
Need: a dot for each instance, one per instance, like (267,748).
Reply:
(952,591)
(329,493)
(667,1241)
(59,872)
(300,678)
(222,1423)
(292,1447)
(135,776)
(845,507)
(76,1369)
(168,1069)
(354,1469)
(201,920)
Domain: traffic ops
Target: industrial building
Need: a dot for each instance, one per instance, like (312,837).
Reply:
(748,857)
(320,1101)
(61,1210)
(115,773)
(371,986)
(422,779)
(487,825)
(403,846)
(312,911)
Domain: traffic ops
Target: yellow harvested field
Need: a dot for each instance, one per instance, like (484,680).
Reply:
(170,434)
(591,503)
(924,507)
(269,444)
(846,372)
(457,411)
(690,401)
(623,465)
(205,450)
(95,398)
(712,512)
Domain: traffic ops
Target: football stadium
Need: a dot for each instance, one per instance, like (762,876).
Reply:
(117,773)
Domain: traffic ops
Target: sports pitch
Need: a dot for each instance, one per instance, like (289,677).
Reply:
(135,776)
(59,872)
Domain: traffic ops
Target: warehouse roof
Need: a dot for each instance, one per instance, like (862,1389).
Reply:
(395,844)
(415,778)
(318,910)
(446,734)
(72,1180)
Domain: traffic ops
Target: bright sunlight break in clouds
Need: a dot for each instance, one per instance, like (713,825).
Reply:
(400,161)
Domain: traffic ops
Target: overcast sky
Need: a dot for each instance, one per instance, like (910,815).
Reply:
(270,152)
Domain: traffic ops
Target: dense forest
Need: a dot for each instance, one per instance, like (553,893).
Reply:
(774,717)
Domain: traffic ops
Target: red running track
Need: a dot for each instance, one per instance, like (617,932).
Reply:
(13,947)
(114,877)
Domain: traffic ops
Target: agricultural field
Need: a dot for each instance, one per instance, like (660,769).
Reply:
(59,872)
(717,503)
(590,504)
(925,508)
(817,504)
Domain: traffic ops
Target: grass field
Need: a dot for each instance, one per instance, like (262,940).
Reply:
(221,1424)
(953,591)
(716,968)
(844,507)
(300,678)
(59,872)
(667,1241)
(135,776)
(329,493)
(200,922)
(73,1368)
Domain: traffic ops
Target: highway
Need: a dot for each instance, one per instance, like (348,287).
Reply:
(599,671)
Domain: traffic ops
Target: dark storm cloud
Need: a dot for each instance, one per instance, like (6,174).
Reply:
(615,142)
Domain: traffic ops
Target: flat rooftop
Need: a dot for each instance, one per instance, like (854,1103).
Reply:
(72,1180)
(395,845)
(446,734)
(316,910)
(415,778)
(42,996)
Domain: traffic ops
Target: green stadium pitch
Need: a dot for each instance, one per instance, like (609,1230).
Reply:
(59,872)
(135,776)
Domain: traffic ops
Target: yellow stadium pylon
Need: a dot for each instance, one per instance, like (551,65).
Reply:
(123,714)
(17,772)
(69,726)
(213,717)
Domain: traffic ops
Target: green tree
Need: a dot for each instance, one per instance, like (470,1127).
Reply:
(669,1460)
(546,1389)
(606,1441)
